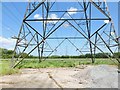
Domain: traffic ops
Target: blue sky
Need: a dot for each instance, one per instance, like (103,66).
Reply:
(13,13)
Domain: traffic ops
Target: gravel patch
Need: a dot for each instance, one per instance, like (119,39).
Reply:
(101,76)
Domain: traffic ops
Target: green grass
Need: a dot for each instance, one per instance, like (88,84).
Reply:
(45,64)
(62,63)
(5,68)
(50,63)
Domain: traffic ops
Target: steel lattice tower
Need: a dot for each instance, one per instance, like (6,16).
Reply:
(96,39)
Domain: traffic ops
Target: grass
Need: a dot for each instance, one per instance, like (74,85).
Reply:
(50,63)
(62,63)
(45,64)
(5,68)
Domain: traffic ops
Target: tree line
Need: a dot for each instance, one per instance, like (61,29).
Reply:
(8,54)
(4,53)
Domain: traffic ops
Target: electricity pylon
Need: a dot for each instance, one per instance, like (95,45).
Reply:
(91,20)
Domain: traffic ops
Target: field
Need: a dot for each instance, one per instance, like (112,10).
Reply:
(5,68)
(59,73)
(49,63)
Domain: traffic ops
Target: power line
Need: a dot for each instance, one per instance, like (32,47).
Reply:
(14,6)
(15,18)
(13,31)
(12,14)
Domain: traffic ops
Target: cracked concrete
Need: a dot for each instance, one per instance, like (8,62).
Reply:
(101,76)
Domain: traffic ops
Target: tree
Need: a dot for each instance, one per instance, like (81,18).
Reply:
(117,54)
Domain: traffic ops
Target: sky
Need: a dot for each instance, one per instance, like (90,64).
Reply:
(13,13)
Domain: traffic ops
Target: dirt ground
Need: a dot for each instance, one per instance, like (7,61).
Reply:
(101,76)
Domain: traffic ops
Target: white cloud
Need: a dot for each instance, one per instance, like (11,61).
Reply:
(72,9)
(66,25)
(113,34)
(37,16)
(52,16)
(106,21)
(7,43)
